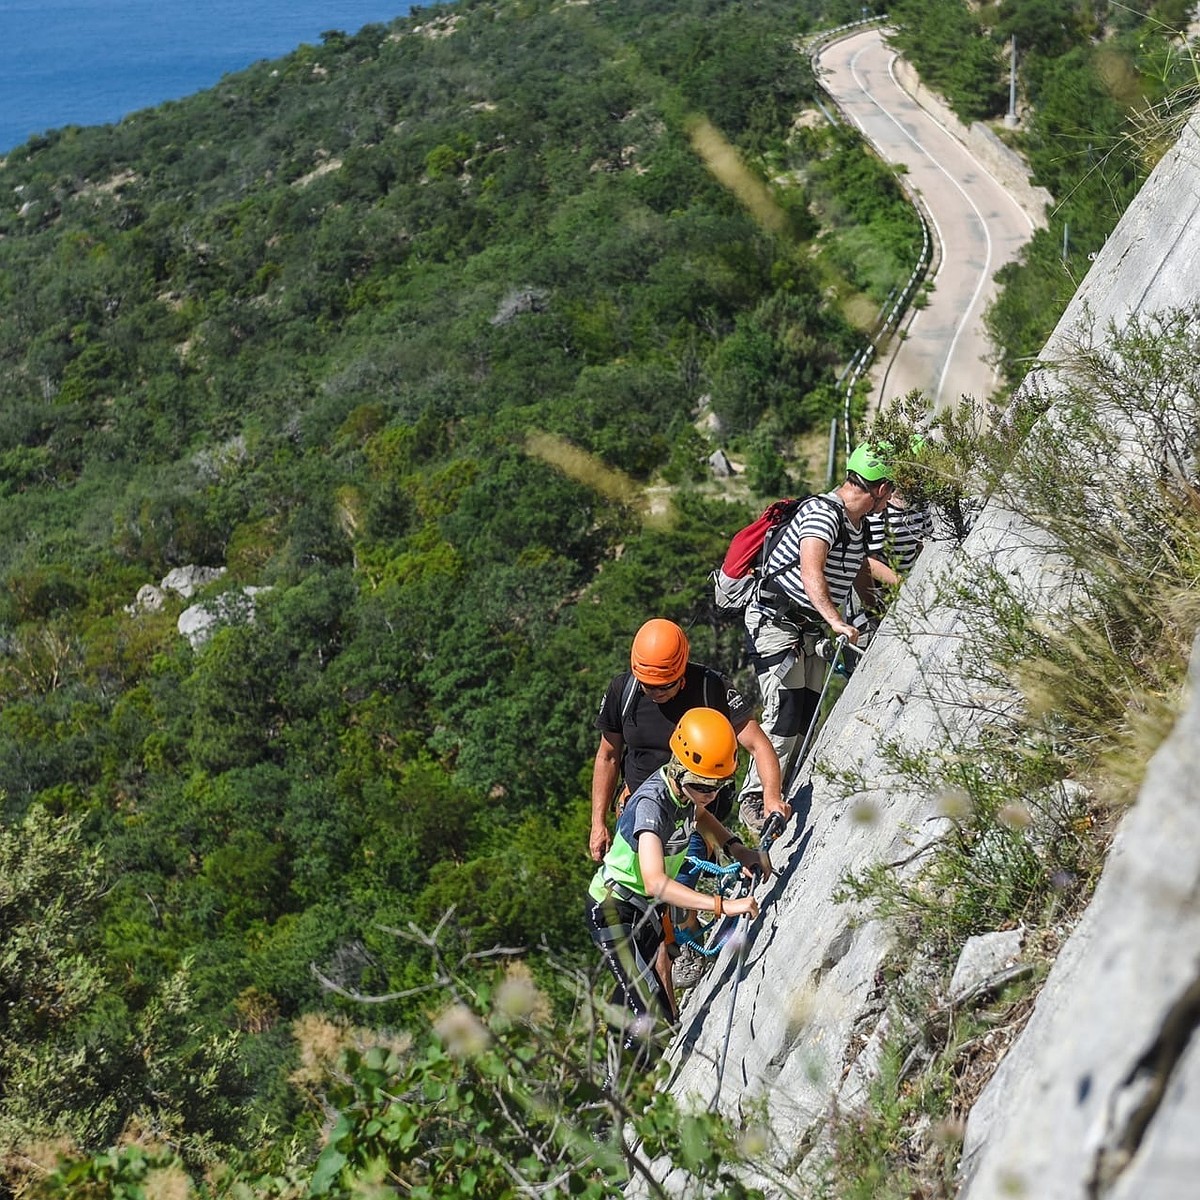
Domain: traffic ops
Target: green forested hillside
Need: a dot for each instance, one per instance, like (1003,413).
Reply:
(318,326)
(398,327)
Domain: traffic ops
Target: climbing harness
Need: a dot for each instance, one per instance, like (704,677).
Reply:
(770,831)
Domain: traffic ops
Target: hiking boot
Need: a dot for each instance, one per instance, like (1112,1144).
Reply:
(688,969)
(752,813)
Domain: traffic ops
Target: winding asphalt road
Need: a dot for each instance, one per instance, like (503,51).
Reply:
(979,226)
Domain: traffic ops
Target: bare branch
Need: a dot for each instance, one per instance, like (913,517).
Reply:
(330,986)
(494,952)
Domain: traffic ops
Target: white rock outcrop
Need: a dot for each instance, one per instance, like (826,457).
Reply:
(183,581)
(148,599)
(187,581)
(983,959)
(199,622)
(1099,1099)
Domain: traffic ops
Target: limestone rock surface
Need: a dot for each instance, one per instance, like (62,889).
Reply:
(1100,1095)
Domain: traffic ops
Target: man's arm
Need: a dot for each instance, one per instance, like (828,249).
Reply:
(606,774)
(814,552)
(716,833)
(751,737)
(873,577)
(881,572)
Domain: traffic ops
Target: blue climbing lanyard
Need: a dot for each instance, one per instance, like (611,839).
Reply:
(710,947)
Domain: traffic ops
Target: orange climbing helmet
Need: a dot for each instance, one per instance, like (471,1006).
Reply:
(704,744)
(659,654)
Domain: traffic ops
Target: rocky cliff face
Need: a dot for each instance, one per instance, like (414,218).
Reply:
(1098,1096)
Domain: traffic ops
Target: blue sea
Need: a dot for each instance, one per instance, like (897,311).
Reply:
(90,62)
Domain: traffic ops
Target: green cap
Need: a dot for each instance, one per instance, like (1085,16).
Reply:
(866,463)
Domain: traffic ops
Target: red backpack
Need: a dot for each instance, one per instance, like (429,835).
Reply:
(742,568)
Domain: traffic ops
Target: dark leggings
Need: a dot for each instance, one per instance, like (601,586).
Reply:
(629,940)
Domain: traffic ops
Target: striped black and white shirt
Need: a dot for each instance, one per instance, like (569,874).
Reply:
(898,535)
(823,517)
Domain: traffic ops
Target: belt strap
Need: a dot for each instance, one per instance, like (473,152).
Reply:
(764,662)
(640,902)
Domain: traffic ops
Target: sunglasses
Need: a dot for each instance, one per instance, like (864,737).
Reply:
(704,789)
(662,687)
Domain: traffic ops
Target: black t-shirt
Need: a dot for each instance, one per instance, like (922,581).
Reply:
(646,727)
